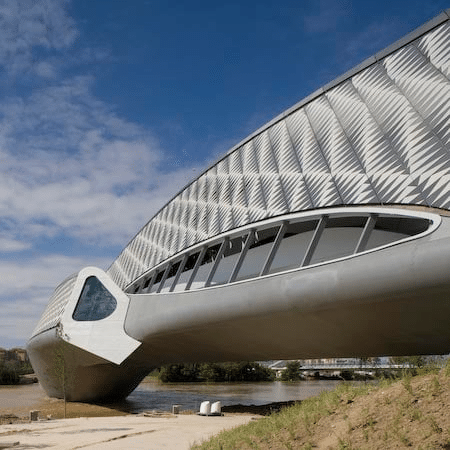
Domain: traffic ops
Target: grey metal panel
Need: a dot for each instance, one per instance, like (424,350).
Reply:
(379,136)
(384,313)
(55,308)
(364,238)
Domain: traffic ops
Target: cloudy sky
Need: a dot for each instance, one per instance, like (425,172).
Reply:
(108,108)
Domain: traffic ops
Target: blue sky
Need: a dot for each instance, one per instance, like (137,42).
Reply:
(108,108)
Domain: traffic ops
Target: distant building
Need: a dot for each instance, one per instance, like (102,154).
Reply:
(19,354)
(15,354)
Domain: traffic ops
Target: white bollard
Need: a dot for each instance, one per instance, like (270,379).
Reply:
(205,408)
(216,408)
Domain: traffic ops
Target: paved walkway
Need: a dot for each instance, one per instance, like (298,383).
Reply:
(177,432)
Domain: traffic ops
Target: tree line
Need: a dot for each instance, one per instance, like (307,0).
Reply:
(253,371)
(216,372)
(11,371)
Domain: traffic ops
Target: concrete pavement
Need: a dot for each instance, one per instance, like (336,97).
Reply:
(139,432)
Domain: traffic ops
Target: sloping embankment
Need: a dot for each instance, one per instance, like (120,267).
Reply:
(410,413)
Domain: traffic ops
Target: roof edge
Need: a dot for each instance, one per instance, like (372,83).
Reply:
(405,40)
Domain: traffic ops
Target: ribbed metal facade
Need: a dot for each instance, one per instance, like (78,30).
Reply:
(380,136)
(55,308)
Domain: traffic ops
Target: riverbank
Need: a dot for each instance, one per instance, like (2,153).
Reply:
(245,401)
(53,409)
(408,413)
(257,399)
(153,395)
(102,426)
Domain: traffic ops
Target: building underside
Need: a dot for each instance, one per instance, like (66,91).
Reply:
(324,234)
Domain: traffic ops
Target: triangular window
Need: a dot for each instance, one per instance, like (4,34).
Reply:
(95,302)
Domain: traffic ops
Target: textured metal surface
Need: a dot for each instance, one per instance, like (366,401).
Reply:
(379,137)
(55,308)
(389,302)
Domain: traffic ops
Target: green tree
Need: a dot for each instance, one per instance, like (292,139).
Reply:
(9,373)
(178,373)
(376,361)
(364,361)
(212,372)
(411,363)
(216,372)
(292,371)
(60,367)
(248,371)
(415,361)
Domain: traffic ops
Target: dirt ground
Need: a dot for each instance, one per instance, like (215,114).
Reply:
(54,409)
(410,414)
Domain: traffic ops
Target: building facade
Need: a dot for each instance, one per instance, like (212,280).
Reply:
(324,234)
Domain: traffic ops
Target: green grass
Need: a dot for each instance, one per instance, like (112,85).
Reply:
(286,426)
(302,417)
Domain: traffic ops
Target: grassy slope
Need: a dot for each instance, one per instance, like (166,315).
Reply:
(409,413)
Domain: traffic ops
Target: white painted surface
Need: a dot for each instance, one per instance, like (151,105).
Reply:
(106,337)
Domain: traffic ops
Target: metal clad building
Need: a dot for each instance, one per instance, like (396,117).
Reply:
(326,233)
(378,135)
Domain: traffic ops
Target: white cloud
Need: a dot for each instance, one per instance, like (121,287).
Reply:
(45,69)
(39,275)
(26,288)
(12,245)
(71,168)
(69,165)
(17,322)
(69,161)
(27,24)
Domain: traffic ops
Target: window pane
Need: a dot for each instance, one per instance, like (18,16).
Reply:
(95,302)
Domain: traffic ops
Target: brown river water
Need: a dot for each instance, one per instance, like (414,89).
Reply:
(151,395)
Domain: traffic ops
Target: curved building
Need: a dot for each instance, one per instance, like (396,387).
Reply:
(325,233)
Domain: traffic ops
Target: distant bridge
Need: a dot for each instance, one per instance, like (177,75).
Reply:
(341,366)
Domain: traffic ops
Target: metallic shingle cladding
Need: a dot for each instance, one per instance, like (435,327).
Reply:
(379,137)
(55,308)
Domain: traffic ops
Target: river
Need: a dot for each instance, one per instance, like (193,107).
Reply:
(152,395)
(190,395)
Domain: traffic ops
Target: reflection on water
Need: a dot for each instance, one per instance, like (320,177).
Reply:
(151,395)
